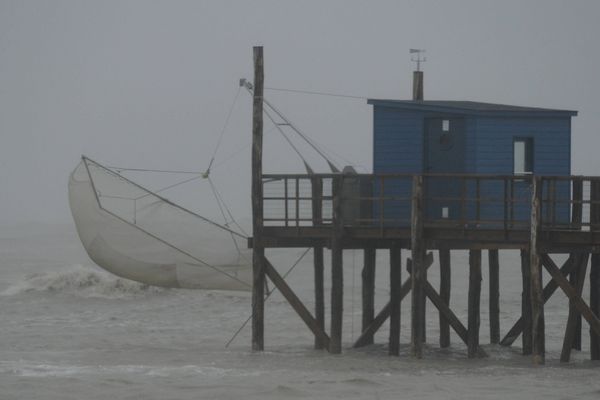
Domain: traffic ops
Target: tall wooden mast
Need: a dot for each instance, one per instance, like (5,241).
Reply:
(258,254)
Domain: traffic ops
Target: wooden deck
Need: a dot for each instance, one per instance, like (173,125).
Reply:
(539,215)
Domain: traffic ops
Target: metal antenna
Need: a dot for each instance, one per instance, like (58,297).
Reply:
(418,58)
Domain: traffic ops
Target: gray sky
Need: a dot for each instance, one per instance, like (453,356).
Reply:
(149,83)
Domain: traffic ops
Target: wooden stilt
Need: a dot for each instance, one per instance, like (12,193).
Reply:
(526,302)
(319,292)
(337,270)
(368,291)
(445,282)
(395,288)
(537,297)
(595,304)
(474,302)
(258,282)
(574,278)
(494,288)
(576,219)
(574,319)
(418,278)
(595,269)
(318,261)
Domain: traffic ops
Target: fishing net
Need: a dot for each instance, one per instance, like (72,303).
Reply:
(137,234)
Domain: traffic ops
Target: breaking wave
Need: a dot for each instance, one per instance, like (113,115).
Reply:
(81,281)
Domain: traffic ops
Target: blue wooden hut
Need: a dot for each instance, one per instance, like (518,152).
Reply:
(464,137)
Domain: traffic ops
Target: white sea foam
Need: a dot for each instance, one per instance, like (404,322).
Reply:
(40,370)
(81,281)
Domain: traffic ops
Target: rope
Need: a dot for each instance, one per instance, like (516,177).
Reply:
(287,139)
(307,139)
(267,297)
(212,159)
(316,93)
(220,198)
(166,171)
(214,190)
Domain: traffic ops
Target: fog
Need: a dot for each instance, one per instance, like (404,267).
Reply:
(150,83)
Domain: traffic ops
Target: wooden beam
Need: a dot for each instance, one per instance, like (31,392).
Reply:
(571,293)
(395,299)
(474,302)
(445,285)
(452,319)
(526,302)
(574,278)
(595,268)
(368,291)
(574,319)
(383,315)
(337,270)
(318,260)
(258,273)
(549,290)
(537,298)
(494,290)
(295,302)
(595,304)
(418,268)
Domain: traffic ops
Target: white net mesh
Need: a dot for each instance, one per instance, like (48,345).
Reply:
(139,235)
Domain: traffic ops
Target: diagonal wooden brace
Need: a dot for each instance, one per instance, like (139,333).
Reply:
(452,319)
(572,294)
(549,290)
(295,302)
(383,315)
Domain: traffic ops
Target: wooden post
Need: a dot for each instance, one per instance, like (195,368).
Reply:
(494,288)
(537,297)
(337,270)
(595,303)
(526,302)
(317,217)
(445,284)
(574,278)
(573,329)
(395,288)
(368,292)
(595,268)
(576,219)
(474,303)
(258,254)
(418,255)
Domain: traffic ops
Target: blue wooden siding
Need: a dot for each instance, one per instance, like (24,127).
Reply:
(397,140)
(493,150)
(398,148)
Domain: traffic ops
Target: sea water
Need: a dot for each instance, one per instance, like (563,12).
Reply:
(69,330)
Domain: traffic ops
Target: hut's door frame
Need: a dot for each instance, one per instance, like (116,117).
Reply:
(443,152)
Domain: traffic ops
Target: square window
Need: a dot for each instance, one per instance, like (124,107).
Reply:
(523,156)
(446,125)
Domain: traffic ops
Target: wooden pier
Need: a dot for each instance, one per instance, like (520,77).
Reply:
(539,215)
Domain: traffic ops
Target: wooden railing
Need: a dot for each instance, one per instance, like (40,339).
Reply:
(449,200)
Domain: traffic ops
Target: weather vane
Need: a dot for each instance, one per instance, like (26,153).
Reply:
(418,58)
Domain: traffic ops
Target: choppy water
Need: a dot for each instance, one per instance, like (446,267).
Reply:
(69,330)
